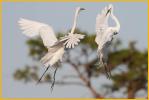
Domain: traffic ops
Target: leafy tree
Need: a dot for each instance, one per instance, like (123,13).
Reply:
(134,79)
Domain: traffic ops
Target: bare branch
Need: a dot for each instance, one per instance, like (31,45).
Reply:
(85,80)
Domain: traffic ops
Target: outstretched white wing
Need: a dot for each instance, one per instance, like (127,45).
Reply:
(33,28)
(102,24)
(72,39)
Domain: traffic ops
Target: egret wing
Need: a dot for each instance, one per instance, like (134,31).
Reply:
(102,23)
(33,28)
(102,19)
(72,39)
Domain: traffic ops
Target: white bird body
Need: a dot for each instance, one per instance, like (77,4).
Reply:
(55,47)
(105,37)
(105,34)
(54,57)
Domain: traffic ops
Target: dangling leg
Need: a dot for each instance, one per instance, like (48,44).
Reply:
(105,66)
(108,72)
(54,79)
(98,60)
(109,67)
(43,74)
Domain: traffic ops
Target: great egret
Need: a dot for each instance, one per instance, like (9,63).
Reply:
(105,35)
(56,48)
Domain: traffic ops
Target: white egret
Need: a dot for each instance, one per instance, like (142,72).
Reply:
(105,35)
(56,48)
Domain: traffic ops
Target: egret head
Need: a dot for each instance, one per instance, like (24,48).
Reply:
(79,9)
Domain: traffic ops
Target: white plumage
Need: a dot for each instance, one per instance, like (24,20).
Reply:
(55,47)
(33,28)
(104,35)
(72,40)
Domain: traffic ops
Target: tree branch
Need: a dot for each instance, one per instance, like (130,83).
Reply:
(85,80)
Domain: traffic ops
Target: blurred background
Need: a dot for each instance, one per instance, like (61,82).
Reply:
(77,76)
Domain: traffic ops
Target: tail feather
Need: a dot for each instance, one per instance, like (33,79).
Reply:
(46,58)
(53,56)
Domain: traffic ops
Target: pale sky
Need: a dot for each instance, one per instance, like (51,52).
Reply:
(132,17)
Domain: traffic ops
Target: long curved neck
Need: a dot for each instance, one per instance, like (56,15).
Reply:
(75,22)
(116,21)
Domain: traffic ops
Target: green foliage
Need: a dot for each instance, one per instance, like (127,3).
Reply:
(135,60)
(36,48)
(26,74)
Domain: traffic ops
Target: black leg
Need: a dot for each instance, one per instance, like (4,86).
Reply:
(109,67)
(106,70)
(43,74)
(54,79)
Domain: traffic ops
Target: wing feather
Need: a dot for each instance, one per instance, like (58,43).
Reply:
(102,25)
(72,40)
(102,20)
(33,28)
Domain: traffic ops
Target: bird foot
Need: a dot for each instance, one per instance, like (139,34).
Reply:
(98,65)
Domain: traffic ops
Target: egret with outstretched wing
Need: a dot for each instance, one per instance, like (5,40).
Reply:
(105,35)
(56,48)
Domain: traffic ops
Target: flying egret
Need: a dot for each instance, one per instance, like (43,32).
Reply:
(56,48)
(105,35)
